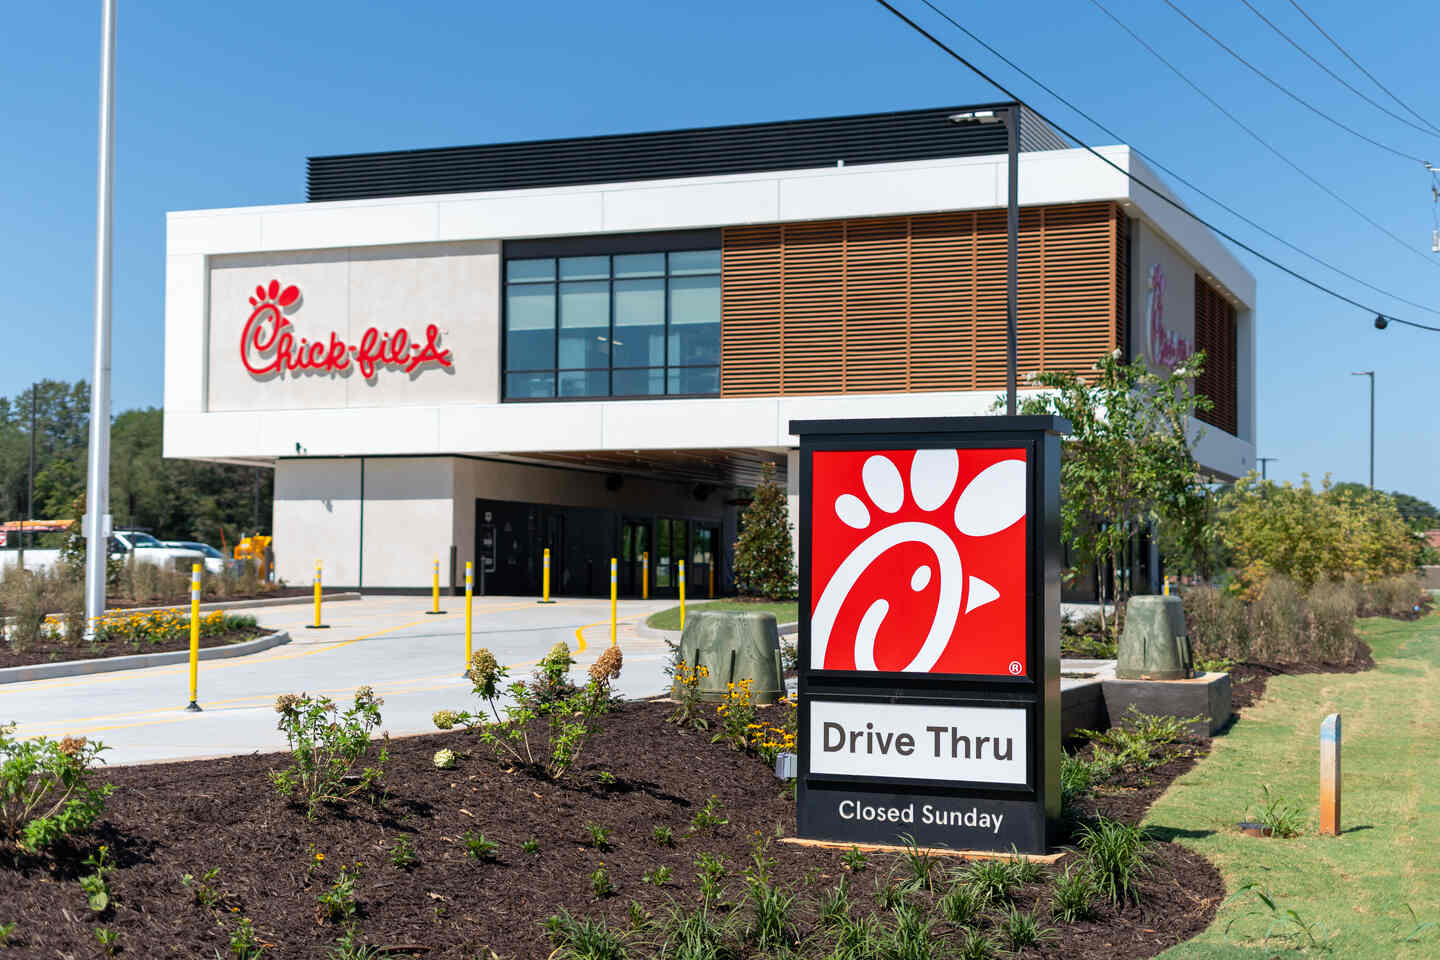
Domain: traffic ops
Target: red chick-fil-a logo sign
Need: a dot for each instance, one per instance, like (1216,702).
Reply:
(918,561)
(269,347)
(1166,348)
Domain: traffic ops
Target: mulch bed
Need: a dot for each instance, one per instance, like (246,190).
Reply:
(171,819)
(1247,680)
(56,652)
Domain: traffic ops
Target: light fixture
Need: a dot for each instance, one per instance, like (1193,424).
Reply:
(1380,322)
(975,116)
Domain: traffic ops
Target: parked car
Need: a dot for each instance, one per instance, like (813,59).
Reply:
(146,549)
(215,562)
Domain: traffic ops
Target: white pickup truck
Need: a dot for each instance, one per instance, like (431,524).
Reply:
(123,544)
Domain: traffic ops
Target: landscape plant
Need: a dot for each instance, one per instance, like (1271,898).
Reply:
(96,884)
(689,710)
(1073,893)
(1311,536)
(327,747)
(1284,820)
(736,712)
(1128,462)
(48,791)
(764,551)
(338,902)
(568,720)
(1115,855)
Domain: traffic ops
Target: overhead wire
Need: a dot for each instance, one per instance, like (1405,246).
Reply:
(1359,66)
(1159,194)
(1428,131)
(1285,90)
(1154,161)
(1329,191)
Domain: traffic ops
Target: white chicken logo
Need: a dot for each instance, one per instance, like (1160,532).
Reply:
(991,502)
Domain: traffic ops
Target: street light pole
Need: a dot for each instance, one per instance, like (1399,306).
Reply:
(1264,464)
(97,487)
(1010,116)
(1012,256)
(1371,375)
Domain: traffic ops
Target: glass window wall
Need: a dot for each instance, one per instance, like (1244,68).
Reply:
(627,325)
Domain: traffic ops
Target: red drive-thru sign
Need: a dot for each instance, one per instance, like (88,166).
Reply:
(269,345)
(928,688)
(918,561)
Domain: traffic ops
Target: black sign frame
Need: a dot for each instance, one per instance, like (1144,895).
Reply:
(1029,816)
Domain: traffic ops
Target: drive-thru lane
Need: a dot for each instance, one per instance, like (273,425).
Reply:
(413,660)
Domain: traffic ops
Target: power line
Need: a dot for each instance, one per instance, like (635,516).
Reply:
(1261,140)
(1285,90)
(1346,83)
(1172,173)
(1154,190)
(1360,67)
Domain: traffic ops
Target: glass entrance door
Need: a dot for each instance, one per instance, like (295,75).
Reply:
(634,545)
(702,573)
(671,542)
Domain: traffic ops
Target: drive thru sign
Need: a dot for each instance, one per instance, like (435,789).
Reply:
(929,687)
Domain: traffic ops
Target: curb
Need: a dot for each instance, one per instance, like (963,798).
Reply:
(78,668)
(673,636)
(240,604)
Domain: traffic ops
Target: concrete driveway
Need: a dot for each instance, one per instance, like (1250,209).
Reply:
(414,661)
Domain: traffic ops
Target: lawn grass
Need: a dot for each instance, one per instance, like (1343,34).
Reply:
(786,611)
(1359,889)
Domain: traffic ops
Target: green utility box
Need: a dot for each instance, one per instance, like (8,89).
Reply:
(1154,644)
(735,645)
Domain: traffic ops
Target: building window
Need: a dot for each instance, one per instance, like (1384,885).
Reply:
(621,325)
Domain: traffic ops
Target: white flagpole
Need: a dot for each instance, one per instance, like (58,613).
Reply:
(97,488)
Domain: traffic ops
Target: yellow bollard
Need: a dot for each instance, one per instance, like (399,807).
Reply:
(1166,589)
(545,580)
(194,634)
(317,625)
(435,591)
(682,595)
(712,579)
(645,575)
(614,586)
(469,597)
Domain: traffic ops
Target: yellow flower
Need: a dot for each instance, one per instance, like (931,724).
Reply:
(319,856)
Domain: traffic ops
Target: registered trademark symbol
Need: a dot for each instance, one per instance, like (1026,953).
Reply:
(1015,668)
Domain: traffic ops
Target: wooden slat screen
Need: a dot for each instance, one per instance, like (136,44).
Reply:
(1215,334)
(916,303)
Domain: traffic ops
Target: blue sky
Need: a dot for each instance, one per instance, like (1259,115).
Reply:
(219,104)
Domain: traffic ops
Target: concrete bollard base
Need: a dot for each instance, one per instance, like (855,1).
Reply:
(1206,696)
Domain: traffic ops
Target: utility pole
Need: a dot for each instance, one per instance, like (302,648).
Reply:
(97,487)
(1264,463)
(1371,375)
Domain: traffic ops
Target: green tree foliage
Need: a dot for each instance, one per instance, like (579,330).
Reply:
(1419,514)
(174,499)
(1128,460)
(764,552)
(1338,532)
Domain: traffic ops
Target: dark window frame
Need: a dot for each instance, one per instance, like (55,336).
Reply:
(686,241)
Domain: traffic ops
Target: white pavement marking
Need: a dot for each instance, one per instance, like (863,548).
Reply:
(414,662)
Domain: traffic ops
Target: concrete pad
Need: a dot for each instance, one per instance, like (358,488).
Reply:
(1206,696)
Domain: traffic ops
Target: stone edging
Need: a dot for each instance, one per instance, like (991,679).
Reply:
(673,636)
(77,668)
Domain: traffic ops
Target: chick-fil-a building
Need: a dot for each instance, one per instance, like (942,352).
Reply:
(597,344)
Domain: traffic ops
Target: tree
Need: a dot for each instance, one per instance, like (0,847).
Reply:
(764,553)
(1128,460)
(1340,531)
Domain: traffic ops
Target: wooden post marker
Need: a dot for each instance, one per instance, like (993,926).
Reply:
(1330,775)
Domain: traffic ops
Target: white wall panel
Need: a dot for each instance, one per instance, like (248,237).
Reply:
(212,232)
(695,205)
(317,517)
(322,225)
(501,215)
(409,520)
(184,332)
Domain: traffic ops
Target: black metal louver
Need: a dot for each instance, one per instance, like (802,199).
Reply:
(706,151)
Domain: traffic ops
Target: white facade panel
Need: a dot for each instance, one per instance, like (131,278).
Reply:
(409,520)
(324,225)
(528,215)
(697,205)
(317,517)
(866,192)
(213,231)
(184,333)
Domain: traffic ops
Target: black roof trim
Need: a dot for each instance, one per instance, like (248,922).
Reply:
(667,154)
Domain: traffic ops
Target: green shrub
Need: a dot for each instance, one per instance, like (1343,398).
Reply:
(1072,897)
(570,719)
(1115,856)
(584,938)
(325,749)
(764,553)
(1218,624)
(963,903)
(1284,820)
(47,789)
(1392,597)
